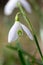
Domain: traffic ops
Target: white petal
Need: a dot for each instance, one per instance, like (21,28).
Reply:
(12,36)
(9,7)
(27,31)
(12,33)
(26,5)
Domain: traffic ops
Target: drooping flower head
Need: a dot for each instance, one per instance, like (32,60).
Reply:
(12,4)
(17,30)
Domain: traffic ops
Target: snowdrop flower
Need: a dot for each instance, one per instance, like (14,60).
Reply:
(17,30)
(41,34)
(12,4)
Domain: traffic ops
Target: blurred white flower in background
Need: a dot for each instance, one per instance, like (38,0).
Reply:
(41,34)
(17,30)
(12,4)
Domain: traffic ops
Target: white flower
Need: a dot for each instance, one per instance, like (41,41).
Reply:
(12,4)
(41,34)
(17,30)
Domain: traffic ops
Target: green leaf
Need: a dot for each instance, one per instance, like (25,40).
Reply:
(25,53)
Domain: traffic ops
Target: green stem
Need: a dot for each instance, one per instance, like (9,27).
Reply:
(21,57)
(31,28)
